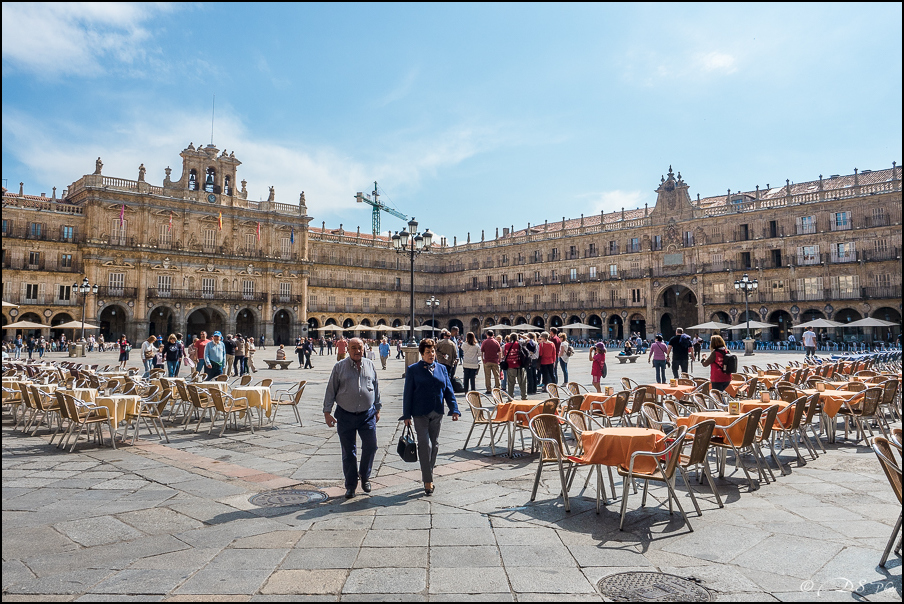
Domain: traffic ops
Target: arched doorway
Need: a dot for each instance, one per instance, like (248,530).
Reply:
(346,324)
(246,323)
(59,320)
(488,322)
(742,318)
(458,324)
(811,314)
(666,328)
(161,322)
(638,325)
(34,318)
(597,324)
(207,320)
(720,317)
(112,321)
(366,334)
(888,334)
(555,321)
(539,322)
(475,326)
(282,327)
(849,315)
(680,303)
(616,328)
(782,319)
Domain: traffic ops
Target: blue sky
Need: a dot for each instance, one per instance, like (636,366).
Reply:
(470,116)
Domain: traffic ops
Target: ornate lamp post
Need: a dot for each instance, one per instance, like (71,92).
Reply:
(432,303)
(413,244)
(747,286)
(84,288)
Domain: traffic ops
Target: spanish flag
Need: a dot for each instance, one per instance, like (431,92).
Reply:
(171,221)
(221,221)
(258,231)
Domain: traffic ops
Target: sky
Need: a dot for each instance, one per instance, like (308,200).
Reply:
(470,116)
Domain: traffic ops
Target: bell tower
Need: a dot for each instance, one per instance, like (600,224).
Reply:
(207,175)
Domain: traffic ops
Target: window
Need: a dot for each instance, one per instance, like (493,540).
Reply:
(555,254)
(613,270)
(810,288)
(504,280)
(331,301)
(348,302)
(716,260)
(572,252)
(35,230)
(846,286)
(808,254)
(207,287)
(366,303)
(879,217)
(34,259)
(778,289)
(776,258)
(718,288)
(164,285)
(536,299)
(573,274)
(592,250)
(116,283)
(841,221)
(689,238)
(7,226)
(285,247)
(398,303)
(537,256)
(64,293)
(806,225)
(745,260)
(475,282)
(657,242)
(593,272)
(210,240)
(398,283)
(881,245)
(68,232)
(773,228)
(193,181)
(553,276)
(883,280)
(489,281)
(636,295)
(285,291)
(118,231)
(520,278)
(594,296)
(251,243)
(247,289)
(635,244)
(743,232)
(844,252)
(520,300)
(555,298)
(209,180)
(31,292)
(382,302)
(536,276)
(504,259)
(613,247)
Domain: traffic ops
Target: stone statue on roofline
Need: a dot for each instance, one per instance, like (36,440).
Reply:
(272,194)
(141,172)
(98,166)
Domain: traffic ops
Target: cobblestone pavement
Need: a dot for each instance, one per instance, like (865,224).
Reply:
(173,521)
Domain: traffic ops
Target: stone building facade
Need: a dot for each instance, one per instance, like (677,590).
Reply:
(196,254)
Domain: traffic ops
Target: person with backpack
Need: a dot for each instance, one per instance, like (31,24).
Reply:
(679,351)
(512,364)
(532,367)
(720,362)
(566,351)
(598,367)
(657,355)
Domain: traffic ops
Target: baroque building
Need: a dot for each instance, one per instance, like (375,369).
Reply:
(196,254)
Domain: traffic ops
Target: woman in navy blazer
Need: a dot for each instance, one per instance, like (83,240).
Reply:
(427,386)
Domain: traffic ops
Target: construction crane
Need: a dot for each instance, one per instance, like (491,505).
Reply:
(377,205)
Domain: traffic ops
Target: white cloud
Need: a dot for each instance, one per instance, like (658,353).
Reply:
(613,201)
(53,39)
(401,91)
(716,61)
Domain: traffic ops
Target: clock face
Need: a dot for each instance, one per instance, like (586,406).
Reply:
(212,198)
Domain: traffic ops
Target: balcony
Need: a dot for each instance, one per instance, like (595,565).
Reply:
(633,249)
(806,229)
(284,299)
(886,292)
(105,291)
(154,293)
(843,257)
(880,255)
(594,253)
(718,298)
(876,221)
(808,260)
(43,234)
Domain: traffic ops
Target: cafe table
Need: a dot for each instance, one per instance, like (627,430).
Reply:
(505,412)
(85,395)
(614,447)
(782,418)
(258,396)
(734,387)
(119,405)
(832,400)
(599,400)
(677,391)
(722,419)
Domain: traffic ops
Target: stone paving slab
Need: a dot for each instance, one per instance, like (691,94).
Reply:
(173,522)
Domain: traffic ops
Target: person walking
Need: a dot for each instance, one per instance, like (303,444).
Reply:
(124,349)
(229,345)
(547,360)
(556,339)
(533,362)
(148,350)
(657,355)
(511,354)
(598,364)
(398,347)
(320,339)
(491,352)
(329,346)
(565,352)
(354,389)
(199,344)
(384,352)
(427,386)
(249,355)
(299,350)
(698,347)
(719,378)
(180,339)
(809,342)
(308,348)
(447,352)
(174,353)
(342,346)
(19,345)
(214,356)
(470,361)
(238,362)
(31,346)
(193,352)
(679,352)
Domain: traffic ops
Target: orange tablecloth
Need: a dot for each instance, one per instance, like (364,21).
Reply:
(258,396)
(733,387)
(119,405)
(614,446)
(831,399)
(605,401)
(722,418)
(505,412)
(676,391)
(784,415)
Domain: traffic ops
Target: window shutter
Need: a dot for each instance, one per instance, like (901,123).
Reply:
(41,289)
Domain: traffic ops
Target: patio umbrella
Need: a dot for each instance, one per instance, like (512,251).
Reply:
(526,327)
(360,327)
(74,325)
(330,328)
(579,326)
(753,325)
(869,322)
(715,325)
(25,325)
(427,328)
(9,305)
(382,327)
(820,323)
(499,327)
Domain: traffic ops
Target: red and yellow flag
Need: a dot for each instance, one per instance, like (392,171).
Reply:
(220,221)
(258,231)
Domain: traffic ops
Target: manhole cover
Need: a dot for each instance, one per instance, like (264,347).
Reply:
(652,587)
(287,497)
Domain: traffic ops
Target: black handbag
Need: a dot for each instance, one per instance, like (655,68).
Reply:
(407,445)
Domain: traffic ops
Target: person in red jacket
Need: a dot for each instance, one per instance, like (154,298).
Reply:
(716,363)
(511,354)
(547,360)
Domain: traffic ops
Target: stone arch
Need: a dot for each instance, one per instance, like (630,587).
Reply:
(720,317)
(666,328)
(457,323)
(161,321)
(488,322)
(637,323)
(555,321)
(475,325)
(205,318)
(247,322)
(284,325)
(114,320)
(538,322)
(397,323)
(616,328)
(574,319)
(783,322)
(59,319)
(680,302)
(810,314)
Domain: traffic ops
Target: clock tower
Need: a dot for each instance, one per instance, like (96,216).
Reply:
(208,176)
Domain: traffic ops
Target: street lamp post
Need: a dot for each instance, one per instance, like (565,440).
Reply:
(747,286)
(84,288)
(413,244)
(432,303)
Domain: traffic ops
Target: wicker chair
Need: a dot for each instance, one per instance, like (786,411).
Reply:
(83,417)
(553,391)
(628,383)
(483,412)
(150,409)
(291,400)
(201,401)
(664,472)
(575,388)
(547,434)
(228,405)
(724,442)
(521,422)
(861,409)
(580,422)
(697,457)
(883,450)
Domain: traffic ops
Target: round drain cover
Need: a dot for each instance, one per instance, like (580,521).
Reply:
(651,587)
(287,497)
